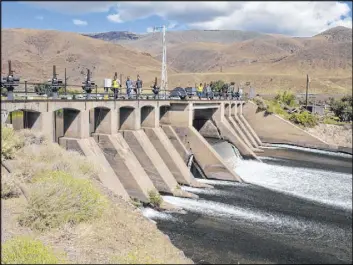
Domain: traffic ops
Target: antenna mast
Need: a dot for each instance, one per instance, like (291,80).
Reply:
(164,76)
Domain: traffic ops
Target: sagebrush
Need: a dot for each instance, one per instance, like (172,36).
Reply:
(24,250)
(57,198)
(10,143)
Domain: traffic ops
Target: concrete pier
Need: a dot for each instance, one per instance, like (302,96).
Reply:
(106,174)
(126,166)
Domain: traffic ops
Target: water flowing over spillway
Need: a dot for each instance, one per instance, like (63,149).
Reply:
(288,210)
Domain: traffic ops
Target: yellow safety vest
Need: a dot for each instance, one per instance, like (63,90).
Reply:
(115,84)
(200,89)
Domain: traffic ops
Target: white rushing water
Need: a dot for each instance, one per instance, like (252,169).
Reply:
(323,186)
(306,149)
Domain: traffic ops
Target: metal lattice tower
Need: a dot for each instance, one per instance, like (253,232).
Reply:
(164,76)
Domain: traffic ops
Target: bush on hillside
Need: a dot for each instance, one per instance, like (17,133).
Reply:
(261,105)
(8,188)
(342,108)
(305,119)
(58,198)
(10,143)
(217,85)
(155,198)
(286,98)
(274,107)
(23,250)
(35,159)
(32,137)
(135,257)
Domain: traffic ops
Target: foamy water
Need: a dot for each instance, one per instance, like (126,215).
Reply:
(247,223)
(305,149)
(323,186)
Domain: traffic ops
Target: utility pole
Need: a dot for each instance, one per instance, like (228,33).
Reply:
(307,89)
(65,81)
(164,79)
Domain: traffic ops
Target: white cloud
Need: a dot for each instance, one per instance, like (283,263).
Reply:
(292,18)
(74,7)
(39,17)
(79,22)
(114,18)
(149,29)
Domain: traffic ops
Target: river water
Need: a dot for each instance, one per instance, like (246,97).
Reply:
(295,207)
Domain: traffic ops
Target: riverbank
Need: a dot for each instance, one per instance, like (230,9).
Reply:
(32,205)
(340,135)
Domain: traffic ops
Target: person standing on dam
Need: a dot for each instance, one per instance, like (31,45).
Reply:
(209,92)
(115,86)
(199,90)
(128,87)
(138,86)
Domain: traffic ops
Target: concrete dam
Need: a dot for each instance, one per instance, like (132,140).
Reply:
(145,145)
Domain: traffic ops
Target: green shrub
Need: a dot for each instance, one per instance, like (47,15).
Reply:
(155,198)
(58,198)
(10,143)
(332,120)
(287,98)
(51,157)
(275,107)
(217,85)
(8,188)
(23,250)
(342,108)
(136,257)
(261,105)
(305,119)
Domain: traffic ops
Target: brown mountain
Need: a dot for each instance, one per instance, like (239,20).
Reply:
(270,62)
(34,52)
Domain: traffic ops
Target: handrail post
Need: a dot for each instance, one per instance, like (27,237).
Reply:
(25,90)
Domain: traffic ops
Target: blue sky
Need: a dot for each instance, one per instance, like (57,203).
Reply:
(139,17)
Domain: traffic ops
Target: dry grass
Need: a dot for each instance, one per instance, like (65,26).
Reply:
(75,214)
(36,159)
(10,143)
(8,187)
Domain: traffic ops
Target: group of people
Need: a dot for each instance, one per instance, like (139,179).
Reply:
(226,91)
(131,86)
(209,90)
(135,86)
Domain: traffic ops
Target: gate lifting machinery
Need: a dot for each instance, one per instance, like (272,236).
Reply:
(88,85)
(10,82)
(55,84)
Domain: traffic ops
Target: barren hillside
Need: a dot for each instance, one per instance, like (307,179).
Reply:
(270,62)
(34,52)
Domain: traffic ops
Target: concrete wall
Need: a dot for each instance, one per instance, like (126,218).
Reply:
(129,118)
(170,155)
(220,118)
(150,161)
(212,164)
(125,165)
(245,122)
(274,129)
(106,174)
(176,141)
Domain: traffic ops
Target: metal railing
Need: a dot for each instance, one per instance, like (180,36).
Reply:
(27,92)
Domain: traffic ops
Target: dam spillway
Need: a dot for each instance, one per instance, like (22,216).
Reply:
(144,145)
